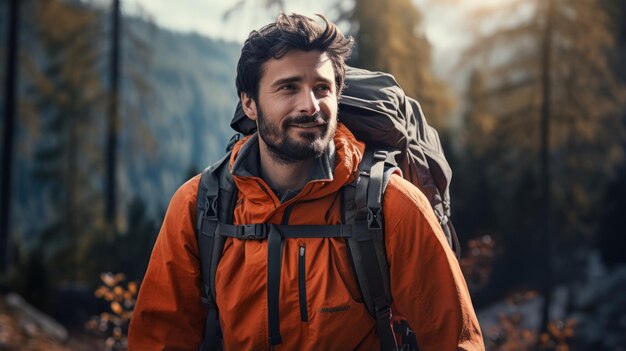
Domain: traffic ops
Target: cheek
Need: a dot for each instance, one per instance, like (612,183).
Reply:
(330,108)
(280,111)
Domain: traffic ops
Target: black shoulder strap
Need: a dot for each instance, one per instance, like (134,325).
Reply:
(363,229)
(363,208)
(216,200)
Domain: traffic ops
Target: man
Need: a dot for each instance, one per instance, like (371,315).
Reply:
(289,78)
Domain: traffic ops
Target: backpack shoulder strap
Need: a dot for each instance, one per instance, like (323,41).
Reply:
(216,199)
(363,208)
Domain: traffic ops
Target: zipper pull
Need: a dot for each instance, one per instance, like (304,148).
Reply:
(301,250)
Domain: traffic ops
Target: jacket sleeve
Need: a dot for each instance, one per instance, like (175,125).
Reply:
(168,314)
(427,284)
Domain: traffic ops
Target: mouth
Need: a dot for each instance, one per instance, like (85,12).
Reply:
(312,124)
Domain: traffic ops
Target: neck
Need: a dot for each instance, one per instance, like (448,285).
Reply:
(281,175)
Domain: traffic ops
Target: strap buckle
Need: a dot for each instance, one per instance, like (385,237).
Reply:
(380,155)
(383,313)
(374,218)
(252,232)
(210,212)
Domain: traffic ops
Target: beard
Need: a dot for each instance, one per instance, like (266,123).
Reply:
(307,145)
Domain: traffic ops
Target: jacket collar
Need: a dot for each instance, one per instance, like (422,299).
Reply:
(335,169)
(248,164)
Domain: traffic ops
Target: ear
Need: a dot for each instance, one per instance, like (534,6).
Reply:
(249,106)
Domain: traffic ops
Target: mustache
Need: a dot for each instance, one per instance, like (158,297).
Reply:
(317,117)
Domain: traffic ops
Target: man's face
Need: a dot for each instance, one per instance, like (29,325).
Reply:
(296,109)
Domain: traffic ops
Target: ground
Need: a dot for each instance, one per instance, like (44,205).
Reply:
(18,332)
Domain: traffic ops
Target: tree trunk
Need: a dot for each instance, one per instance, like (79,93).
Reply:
(113,123)
(546,56)
(9,126)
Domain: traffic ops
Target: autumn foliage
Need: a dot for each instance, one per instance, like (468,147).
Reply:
(121,298)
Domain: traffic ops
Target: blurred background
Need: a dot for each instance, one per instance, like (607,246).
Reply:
(109,105)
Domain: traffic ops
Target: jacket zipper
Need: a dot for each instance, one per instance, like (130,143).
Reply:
(302,284)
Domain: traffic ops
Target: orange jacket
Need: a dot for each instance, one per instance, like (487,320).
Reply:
(426,282)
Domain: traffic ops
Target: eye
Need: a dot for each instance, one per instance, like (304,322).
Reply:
(324,88)
(287,87)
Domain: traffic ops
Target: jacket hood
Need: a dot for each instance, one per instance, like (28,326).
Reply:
(348,155)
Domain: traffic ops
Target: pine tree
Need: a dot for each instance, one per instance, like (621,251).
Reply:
(555,101)
(69,95)
(389,38)
(474,175)
(582,104)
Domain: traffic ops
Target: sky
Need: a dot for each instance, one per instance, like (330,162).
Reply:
(205,16)
(443,24)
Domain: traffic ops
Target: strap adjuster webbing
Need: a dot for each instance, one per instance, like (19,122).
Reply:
(205,297)
(274,259)
(384,327)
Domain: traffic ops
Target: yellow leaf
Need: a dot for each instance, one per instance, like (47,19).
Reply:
(132,288)
(116,307)
(99,293)
(108,279)
(119,277)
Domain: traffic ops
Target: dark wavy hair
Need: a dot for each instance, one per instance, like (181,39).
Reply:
(290,32)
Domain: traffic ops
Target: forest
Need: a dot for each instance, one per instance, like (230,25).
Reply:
(105,115)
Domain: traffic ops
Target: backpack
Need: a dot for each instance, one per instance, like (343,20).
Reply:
(398,140)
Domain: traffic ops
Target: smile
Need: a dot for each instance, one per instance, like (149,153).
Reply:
(307,125)
(312,124)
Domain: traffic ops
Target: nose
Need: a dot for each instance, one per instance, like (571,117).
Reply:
(309,104)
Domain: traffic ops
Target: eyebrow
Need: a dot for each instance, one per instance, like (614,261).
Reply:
(289,80)
(286,81)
